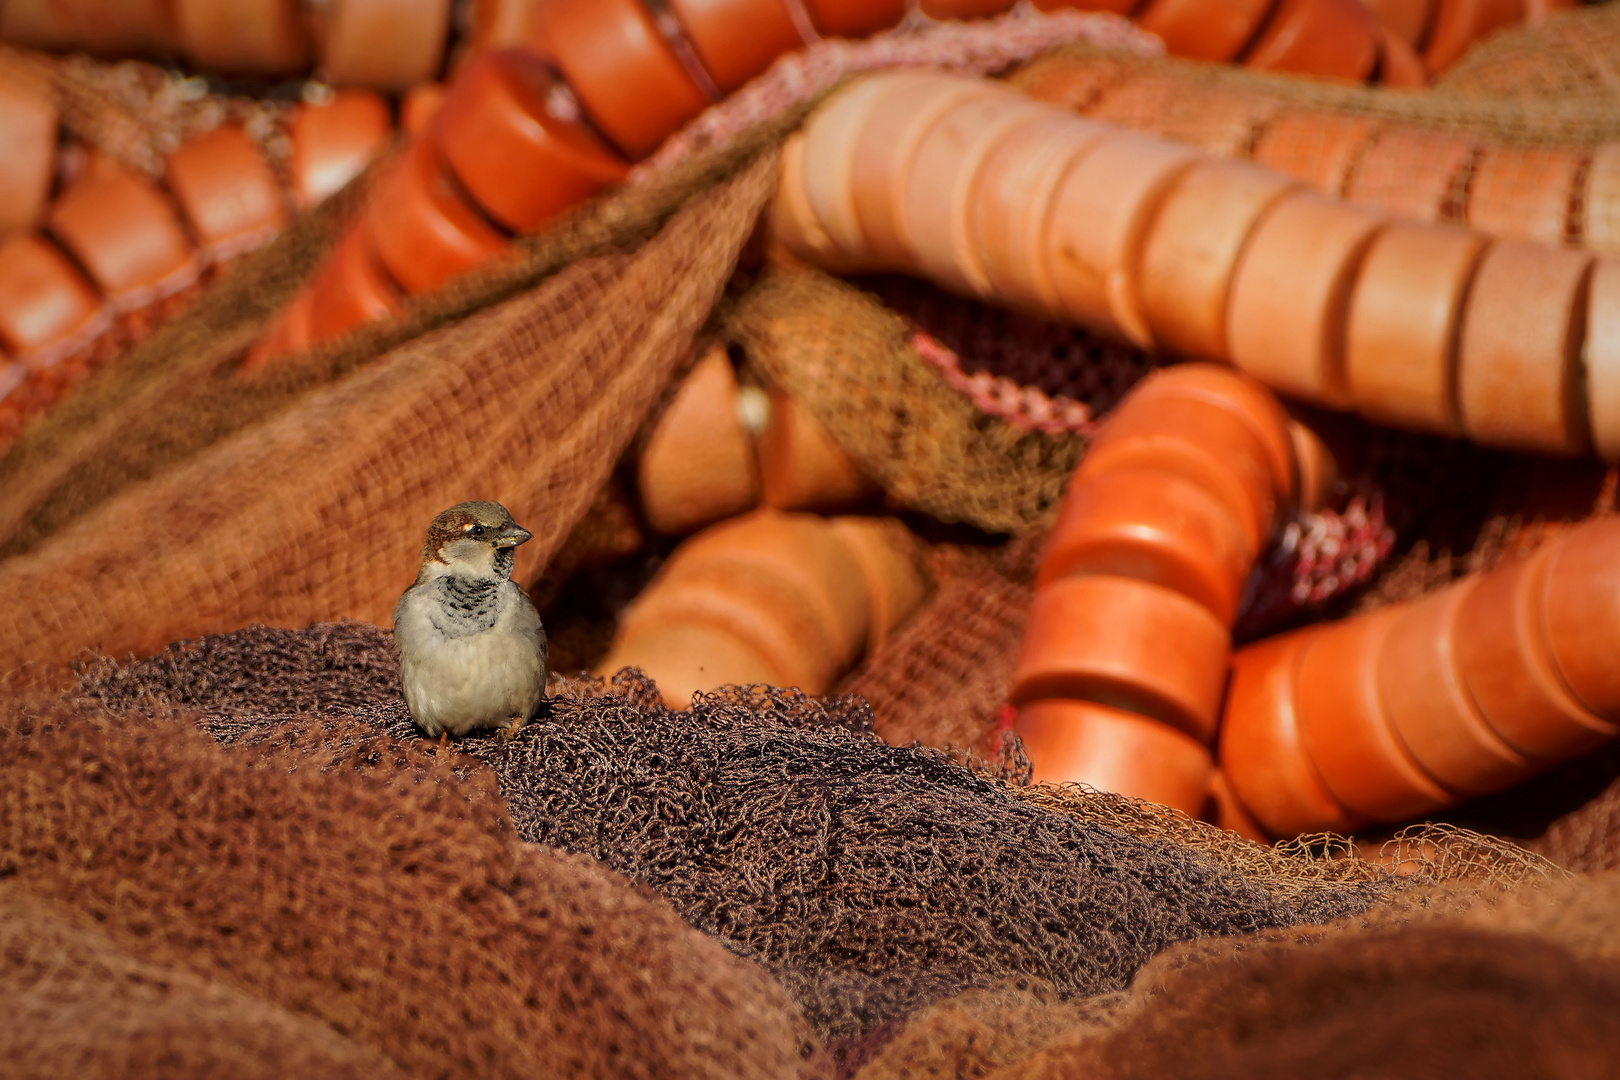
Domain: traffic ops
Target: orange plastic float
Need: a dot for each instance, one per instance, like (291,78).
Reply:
(44,302)
(333,143)
(630,81)
(227,192)
(1100,216)
(882,157)
(522,164)
(1291,291)
(1403,322)
(421,227)
(1261,751)
(1330,39)
(1152,526)
(698,465)
(1525,194)
(1192,250)
(801,466)
(1518,367)
(126,234)
(1507,663)
(1128,644)
(28,132)
(1114,750)
(1431,708)
(385,44)
(737,39)
(1320,148)
(1204,29)
(1345,729)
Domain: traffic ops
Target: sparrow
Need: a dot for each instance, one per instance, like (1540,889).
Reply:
(472,653)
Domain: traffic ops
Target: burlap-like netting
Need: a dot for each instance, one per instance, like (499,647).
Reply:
(390,902)
(1575,54)
(1204,103)
(850,360)
(86,1007)
(533,398)
(138,113)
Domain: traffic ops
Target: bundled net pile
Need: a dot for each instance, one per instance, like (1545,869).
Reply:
(858,908)
(237,854)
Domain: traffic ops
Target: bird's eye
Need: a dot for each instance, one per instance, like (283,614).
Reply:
(478,532)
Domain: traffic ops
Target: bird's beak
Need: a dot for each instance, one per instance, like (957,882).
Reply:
(512,537)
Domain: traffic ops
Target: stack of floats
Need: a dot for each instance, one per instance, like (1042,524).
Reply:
(1122,680)
(1401,155)
(991,194)
(115,242)
(770,596)
(1125,656)
(382,44)
(1418,706)
(593,85)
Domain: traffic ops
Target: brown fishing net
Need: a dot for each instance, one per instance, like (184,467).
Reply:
(850,360)
(767,884)
(81,1006)
(943,677)
(870,879)
(534,399)
(1571,54)
(139,113)
(918,913)
(370,892)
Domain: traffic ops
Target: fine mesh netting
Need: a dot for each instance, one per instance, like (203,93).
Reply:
(913,910)
(870,879)
(1571,54)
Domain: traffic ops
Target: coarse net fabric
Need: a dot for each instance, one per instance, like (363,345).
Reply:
(850,360)
(338,882)
(918,914)
(1534,168)
(172,416)
(1570,54)
(138,113)
(941,680)
(870,879)
(80,1005)
(533,398)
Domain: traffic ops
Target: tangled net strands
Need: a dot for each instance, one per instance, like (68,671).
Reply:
(868,866)
(870,879)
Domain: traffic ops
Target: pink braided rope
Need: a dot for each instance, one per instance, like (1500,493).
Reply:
(1024,407)
(980,47)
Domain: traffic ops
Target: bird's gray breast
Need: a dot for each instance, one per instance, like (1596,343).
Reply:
(465,605)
